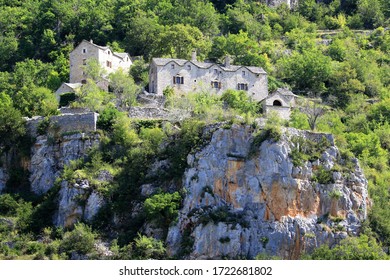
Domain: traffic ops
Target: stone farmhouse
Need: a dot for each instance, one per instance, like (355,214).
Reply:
(192,76)
(109,60)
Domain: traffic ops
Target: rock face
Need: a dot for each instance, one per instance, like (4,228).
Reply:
(50,156)
(292,4)
(3,178)
(77,202)
(3,172)
(241,204)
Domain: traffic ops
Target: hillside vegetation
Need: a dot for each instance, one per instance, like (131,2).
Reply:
(335,53)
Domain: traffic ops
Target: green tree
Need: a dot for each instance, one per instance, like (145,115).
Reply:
(123,87)
(11,123)
(307,71)
(180,40)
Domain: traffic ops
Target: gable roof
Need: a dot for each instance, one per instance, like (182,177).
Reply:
(207,65)
(103,48)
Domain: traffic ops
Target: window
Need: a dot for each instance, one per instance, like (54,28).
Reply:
(84,50)
(83,82)
(243,73)
(109,64)
(189,67)
(178,80)
(242,86)
(109,52)
(215,71)
(172,66)
(84,62)
(216,84)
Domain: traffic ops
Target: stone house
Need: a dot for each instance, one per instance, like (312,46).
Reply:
(280,101)
(109,60)
(191,76)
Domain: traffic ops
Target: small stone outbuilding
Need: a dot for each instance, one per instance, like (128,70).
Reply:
(280,101)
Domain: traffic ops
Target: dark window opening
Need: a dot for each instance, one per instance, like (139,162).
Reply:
(216,84)
(277,103)
(178,80)
(109,64)
(242,86)
(83,82)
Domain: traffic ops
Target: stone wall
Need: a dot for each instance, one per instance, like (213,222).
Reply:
(283,112)
(158,113)
(81,122)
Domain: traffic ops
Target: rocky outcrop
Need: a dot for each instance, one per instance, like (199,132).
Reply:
(3,172)
(49,156)
(77,202)
(292,4)
(244,200)
(3,178)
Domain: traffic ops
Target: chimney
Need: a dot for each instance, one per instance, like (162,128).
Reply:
(193,55)
(91,41)
(227,61)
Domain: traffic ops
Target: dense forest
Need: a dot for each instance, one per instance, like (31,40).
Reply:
(334,52)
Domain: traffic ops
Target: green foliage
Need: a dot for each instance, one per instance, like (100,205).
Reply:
(67,98)
(240,101)
(80,240)
(323,176)
(163,208)
(148,248)
(307,71)
(140,72)
(123,87)
(188,140)
(11,123)
(107,118)
(351,248)
(335,194)
(8,205)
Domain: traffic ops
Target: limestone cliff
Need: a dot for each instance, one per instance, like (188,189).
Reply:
(49,156)
(240,204)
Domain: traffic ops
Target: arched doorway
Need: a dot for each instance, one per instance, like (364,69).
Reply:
(277,103)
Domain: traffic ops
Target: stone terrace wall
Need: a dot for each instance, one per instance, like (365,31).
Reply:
(158,113)
(82,122)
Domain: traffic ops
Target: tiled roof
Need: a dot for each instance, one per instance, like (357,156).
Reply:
(206,65)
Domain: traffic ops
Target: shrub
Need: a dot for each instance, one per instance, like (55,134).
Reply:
(163,207)
(67,98)
(351,248)
(335,194)
(240,101)
(80,240)
(8,205)
(107,118)
(148,248)
(323,176)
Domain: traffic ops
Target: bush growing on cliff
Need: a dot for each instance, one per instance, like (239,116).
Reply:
(163,208)
(80,240)
(351,248)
